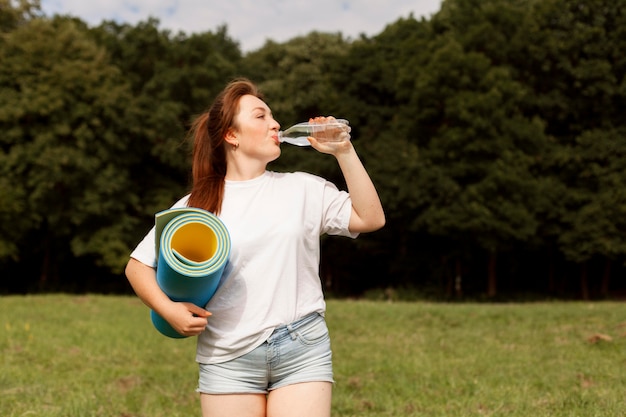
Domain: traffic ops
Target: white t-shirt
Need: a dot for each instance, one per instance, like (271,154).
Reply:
(275,222)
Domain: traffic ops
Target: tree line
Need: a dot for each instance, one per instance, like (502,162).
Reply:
(494,131)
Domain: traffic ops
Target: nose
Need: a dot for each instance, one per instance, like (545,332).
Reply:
(275,125)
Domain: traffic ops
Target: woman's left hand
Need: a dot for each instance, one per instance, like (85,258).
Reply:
(332,140)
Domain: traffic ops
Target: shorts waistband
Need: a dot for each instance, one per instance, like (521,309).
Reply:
(290,329)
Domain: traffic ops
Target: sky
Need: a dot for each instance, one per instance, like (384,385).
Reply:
(251,22)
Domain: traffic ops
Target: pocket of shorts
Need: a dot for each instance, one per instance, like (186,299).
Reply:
(314,333)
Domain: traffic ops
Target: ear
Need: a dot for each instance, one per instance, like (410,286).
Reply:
(231,137)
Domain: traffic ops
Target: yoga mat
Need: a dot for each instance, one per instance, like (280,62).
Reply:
(193,248)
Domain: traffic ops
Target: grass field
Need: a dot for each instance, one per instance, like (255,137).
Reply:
(99,356)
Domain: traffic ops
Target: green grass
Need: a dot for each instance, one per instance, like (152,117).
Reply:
(99,356)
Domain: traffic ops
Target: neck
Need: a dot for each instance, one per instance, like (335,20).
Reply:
(238,170)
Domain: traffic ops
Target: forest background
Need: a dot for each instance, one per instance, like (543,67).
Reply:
(495,132)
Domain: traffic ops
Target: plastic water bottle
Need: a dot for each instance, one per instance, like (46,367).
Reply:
(335,131)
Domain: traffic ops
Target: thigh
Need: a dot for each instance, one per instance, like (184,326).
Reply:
(229,405)
(307,399)
(246,374)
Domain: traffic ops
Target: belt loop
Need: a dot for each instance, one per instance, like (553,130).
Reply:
(292,332)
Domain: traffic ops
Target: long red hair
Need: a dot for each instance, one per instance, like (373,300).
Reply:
(209,147)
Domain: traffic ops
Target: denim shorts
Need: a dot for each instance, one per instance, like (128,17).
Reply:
(299,352)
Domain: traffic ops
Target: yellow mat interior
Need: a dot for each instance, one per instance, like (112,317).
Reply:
(187,238)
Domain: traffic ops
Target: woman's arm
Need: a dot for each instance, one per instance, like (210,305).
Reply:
(186,318)
(367,210)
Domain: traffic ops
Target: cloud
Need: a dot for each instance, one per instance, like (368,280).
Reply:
(251,22)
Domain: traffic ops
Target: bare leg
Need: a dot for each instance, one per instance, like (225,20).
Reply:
(230,405)
(307,399)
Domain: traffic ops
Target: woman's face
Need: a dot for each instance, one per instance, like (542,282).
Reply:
(257,133)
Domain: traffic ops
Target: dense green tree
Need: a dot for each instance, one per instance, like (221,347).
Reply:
(423,92)
(16,13)
(570,57)
(595,221)
(163,84)
(477,169)
(373,98)
(11,203)
(570,54)
(63,116)
(462,151)
(598,220)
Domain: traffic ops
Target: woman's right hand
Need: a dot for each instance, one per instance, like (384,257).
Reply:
(186,318)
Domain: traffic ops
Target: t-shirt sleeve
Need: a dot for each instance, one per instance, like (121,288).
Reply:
(145,252)
(337,211)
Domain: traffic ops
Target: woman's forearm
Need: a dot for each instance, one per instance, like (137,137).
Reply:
(186,318)
(367,210)
(143,280)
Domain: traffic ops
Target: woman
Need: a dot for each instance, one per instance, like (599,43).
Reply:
(264,350)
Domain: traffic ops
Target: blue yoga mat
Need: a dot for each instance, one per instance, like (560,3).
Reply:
(193,248)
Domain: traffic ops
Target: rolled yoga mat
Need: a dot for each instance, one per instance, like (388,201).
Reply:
(193,248)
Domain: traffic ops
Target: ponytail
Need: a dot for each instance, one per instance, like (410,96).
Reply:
(209,150)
